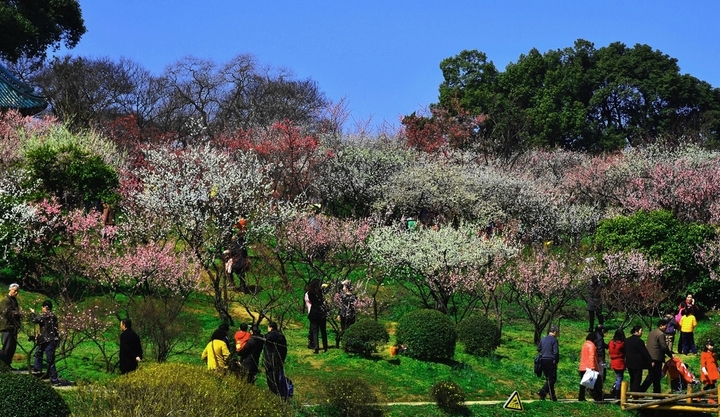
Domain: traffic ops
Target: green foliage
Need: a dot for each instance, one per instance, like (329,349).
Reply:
(365,336)
(713,333)
(661,237)
(27,396)
(580,97)
(32,28)
(69,171)
(170,389)
(351,397)
(447,394)
(479,334)
(427,334)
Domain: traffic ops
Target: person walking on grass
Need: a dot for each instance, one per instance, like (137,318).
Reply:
(250,354)
(131,352)
(589,360)
(46,341)
(616,348)
(549,350)
(637,357)
(709,366)
(274,355)
(657,348)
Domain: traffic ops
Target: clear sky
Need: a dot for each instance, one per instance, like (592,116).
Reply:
(383,56)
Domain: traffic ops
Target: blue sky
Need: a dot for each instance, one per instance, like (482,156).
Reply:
(384,56)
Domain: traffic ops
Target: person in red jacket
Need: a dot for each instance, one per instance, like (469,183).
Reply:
(709,366)
(616,347)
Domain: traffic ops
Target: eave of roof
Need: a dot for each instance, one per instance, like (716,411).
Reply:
(14,94)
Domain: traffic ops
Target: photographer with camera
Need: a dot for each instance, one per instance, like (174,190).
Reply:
(46,341)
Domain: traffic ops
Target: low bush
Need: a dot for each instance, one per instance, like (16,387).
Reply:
(28,396)
(364,337)
(479,335)
(427,335)
(713,333)
(351,397)
(177,389)
(447,395)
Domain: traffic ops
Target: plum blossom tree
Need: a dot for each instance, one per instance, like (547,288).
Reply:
(442,268)
(543,284)
(632,285)
(349,183)
(194,196)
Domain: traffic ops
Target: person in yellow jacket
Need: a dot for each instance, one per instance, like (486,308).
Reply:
(216,353)
(688,322)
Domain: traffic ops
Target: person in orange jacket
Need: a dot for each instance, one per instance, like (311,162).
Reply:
(589,360)
(709,366)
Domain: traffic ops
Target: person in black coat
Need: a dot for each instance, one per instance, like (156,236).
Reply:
(637,358)
(131,352)
(274,356)
(250,353)
(317,315)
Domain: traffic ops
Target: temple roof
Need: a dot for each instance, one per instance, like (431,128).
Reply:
(14,94)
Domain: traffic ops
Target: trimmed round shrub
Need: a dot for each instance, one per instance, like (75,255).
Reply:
(447,395)
(364,337)
(479,335)
(169,389)
(27,396)
(427,335)
(351,397)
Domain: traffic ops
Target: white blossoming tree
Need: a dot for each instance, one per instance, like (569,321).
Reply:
(194,197)
(444,268)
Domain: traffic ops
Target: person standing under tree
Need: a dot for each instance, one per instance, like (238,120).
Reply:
(46,341)
(250,354)
(347,302)
(9,324)
(131,352)
(549,350)
(594,303)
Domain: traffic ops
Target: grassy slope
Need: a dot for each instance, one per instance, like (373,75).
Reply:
(396,379)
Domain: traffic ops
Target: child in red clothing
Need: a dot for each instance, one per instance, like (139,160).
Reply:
(241,337)
(680,375)
(709,366)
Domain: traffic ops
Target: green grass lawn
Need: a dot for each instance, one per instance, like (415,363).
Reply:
(400,378)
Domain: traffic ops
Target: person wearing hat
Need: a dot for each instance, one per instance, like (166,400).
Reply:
(9,324)
(46,341)
(549,350)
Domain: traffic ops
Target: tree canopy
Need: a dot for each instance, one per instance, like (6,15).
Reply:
(581,98)
(30,27)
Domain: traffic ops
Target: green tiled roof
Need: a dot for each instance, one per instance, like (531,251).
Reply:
(14,94)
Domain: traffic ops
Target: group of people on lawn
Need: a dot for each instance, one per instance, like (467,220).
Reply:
(249,345)
(632,354)
(47,338)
